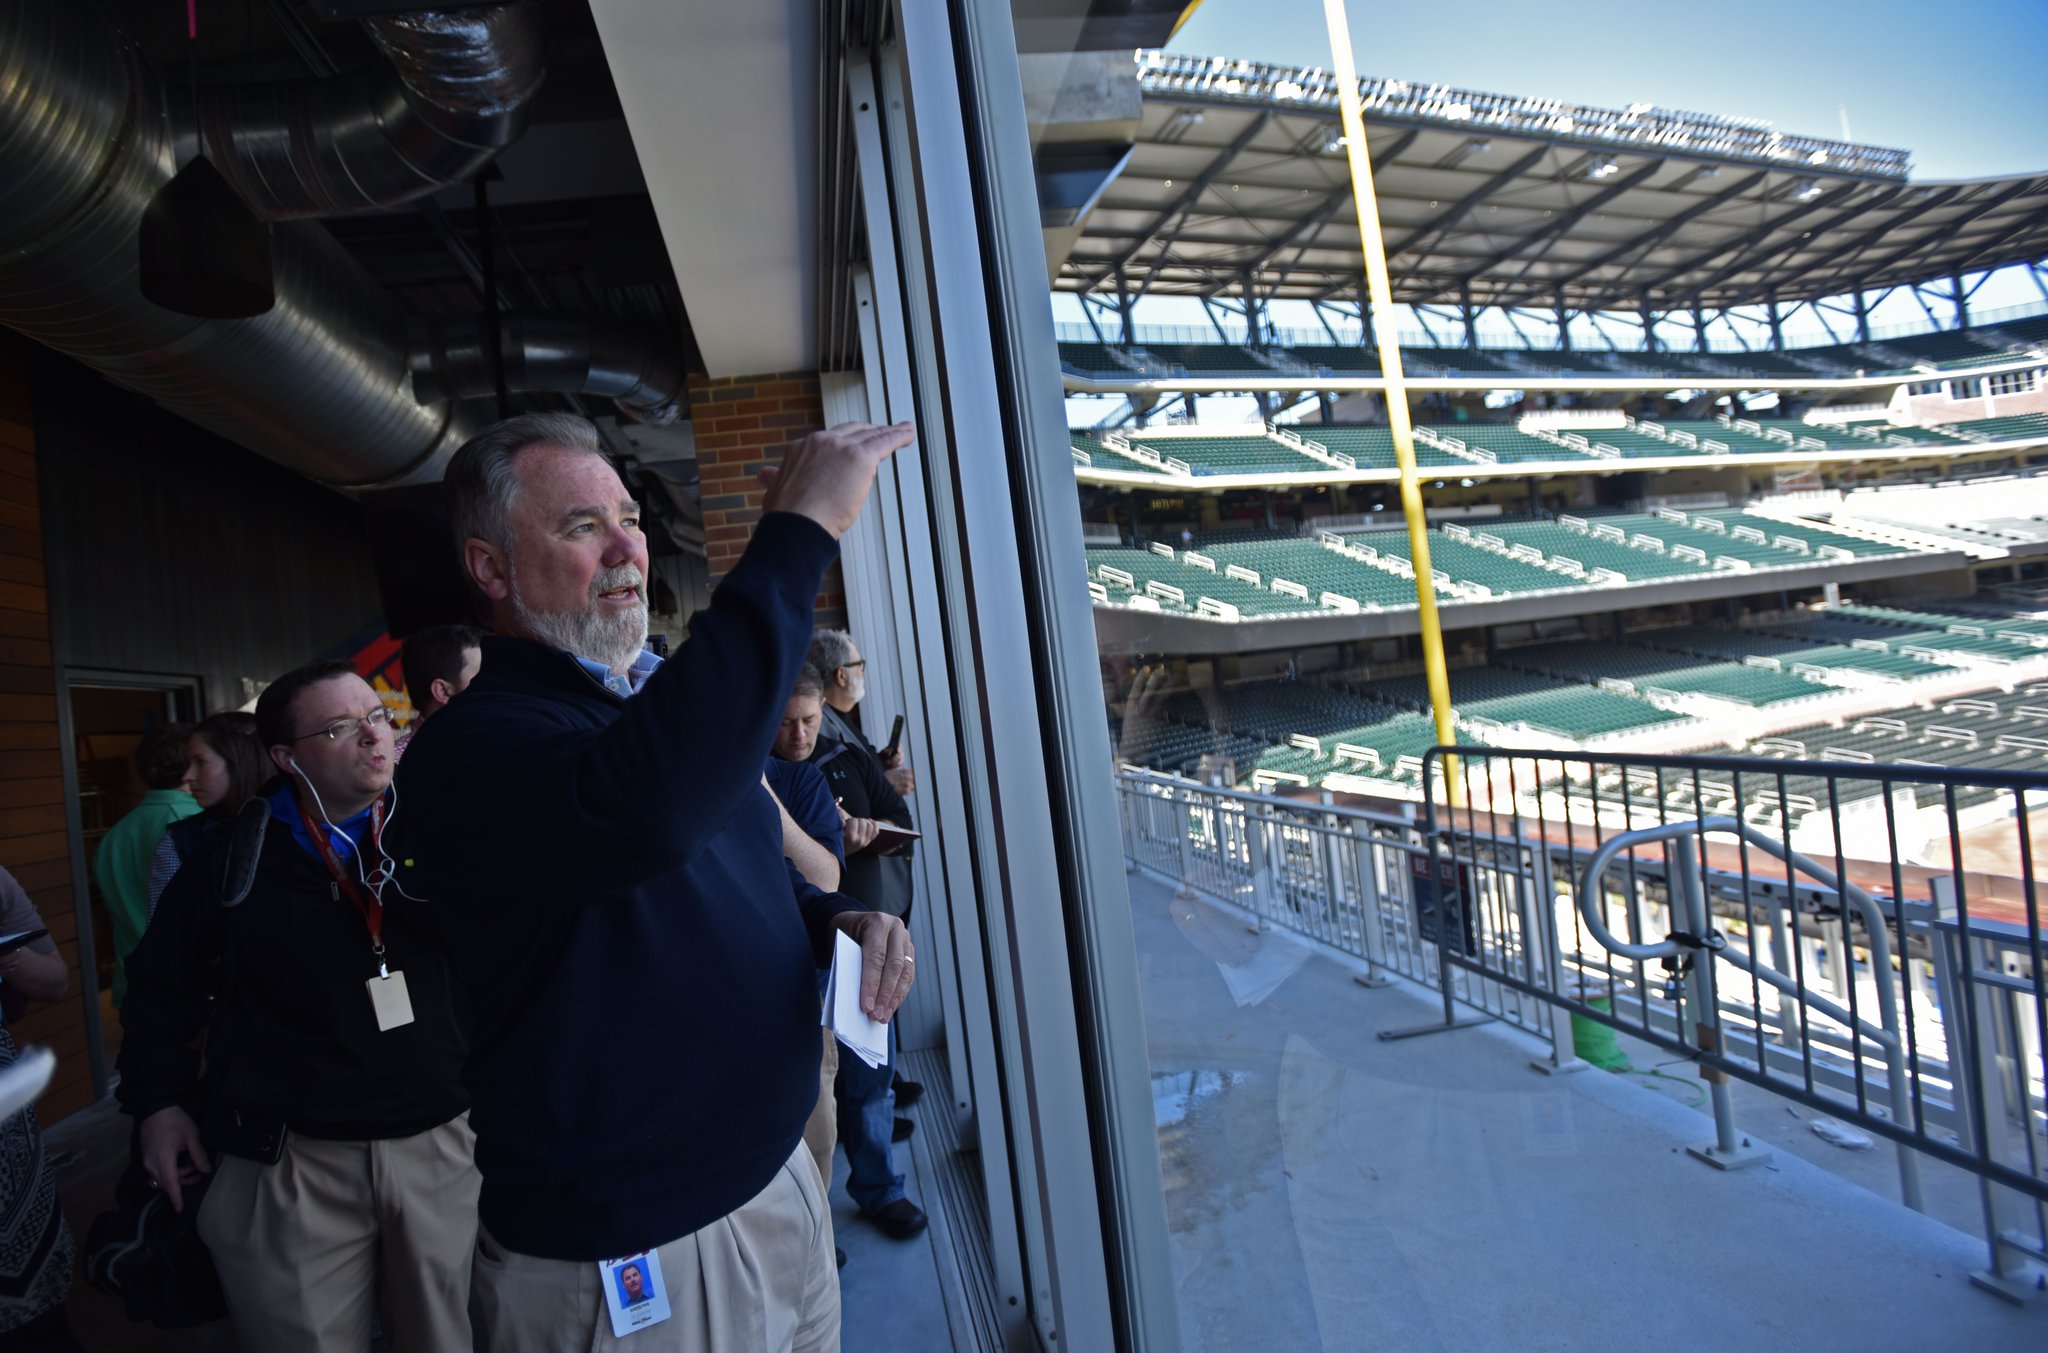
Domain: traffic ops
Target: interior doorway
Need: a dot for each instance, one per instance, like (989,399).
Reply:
(104,716)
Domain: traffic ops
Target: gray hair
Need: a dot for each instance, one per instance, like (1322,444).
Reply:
(480,485)
(830,651)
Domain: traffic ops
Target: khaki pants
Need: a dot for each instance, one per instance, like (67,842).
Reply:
(760,1279)
(300,1244)
(821,1133)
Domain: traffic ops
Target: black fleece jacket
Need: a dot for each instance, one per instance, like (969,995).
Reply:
(296,1036)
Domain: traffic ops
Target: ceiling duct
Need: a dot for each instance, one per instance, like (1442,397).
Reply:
(88,134)
(634,367)
(454,94)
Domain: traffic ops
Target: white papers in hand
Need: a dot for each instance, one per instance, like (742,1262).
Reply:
(843,1015)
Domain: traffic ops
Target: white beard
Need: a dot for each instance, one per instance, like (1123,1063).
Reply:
(612,639)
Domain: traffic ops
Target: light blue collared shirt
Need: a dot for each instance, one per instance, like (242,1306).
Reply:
(634,678)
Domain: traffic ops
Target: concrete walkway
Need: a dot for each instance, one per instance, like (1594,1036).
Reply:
(1326,1190)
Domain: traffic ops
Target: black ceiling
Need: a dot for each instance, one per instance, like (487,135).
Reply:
(571,229)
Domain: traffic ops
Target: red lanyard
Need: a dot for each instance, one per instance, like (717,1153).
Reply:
(371,904)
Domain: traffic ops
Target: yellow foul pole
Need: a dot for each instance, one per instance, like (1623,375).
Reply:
(1382,293)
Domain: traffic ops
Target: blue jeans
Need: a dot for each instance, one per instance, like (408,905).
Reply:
(867,1118)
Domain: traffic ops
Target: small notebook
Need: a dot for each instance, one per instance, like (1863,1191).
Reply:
(843,1015)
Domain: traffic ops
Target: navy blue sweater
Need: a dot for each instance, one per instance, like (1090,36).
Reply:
(638,961)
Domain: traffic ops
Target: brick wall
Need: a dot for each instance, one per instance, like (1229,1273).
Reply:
(742,425)
(35,841)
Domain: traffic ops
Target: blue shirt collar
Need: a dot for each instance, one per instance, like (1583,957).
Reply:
(628,684)
(342,835)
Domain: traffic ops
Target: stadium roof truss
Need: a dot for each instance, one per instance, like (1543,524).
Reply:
(1238,187)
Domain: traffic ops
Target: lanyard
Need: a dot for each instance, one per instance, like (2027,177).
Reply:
(369,905)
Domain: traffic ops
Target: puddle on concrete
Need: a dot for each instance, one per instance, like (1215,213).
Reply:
(1176,1094)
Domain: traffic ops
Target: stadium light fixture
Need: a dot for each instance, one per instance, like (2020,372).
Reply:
(1808,189)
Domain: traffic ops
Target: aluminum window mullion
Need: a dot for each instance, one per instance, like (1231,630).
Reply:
(961,422)
(1079,1085)
(1061,627)
(872,566)
(973,1045)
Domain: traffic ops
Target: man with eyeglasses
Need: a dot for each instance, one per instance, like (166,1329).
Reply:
(336,1130)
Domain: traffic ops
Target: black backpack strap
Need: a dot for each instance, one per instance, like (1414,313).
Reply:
(244,849)
(223,1127)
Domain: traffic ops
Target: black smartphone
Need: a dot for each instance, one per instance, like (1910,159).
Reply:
(895,737)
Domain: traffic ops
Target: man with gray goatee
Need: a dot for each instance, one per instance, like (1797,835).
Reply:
(590,834)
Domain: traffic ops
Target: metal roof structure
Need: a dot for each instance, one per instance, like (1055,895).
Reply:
(1238,180)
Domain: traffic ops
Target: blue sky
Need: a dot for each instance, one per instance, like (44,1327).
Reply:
(1959,84)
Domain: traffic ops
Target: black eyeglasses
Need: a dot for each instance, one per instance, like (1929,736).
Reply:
(857,662)
(379,717)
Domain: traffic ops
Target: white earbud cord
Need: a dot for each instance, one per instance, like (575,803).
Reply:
(387,868)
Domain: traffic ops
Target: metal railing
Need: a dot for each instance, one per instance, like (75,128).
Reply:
(1861,939)
(1355,882)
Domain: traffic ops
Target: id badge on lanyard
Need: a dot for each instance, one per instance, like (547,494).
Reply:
(634,1294)
(390,1002)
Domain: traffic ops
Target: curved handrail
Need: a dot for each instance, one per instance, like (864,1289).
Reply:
(1885,1035)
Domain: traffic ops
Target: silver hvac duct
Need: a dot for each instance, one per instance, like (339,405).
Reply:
(638,370)
(320,383)
(454,94)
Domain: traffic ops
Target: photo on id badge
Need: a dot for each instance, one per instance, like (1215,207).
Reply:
(633,1292)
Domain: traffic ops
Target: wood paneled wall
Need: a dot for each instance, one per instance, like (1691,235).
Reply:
(34,843)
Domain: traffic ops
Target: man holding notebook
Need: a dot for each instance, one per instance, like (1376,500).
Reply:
(878,829)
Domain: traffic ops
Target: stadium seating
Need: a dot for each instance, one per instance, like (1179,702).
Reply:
(1093,359)
(1994,730)
(1650,669)
(1763,363)
(1494,557)
(1306,731)
(1558,541)
(1816,537)
(1231,454)
(1318,568)
(1341,360)
(1946,349)
(1373,447)
(2008,428)
(1207,359)
(1463,361)
(1945,346)
(1460,445)
(1470,564)
(1503,697)
(1196,582)
(1794,650)
(1260,727)
(1504,442)
(1638,440)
